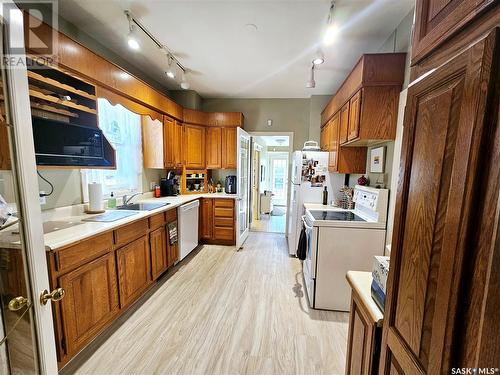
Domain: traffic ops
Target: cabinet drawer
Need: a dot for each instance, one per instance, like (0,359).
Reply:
(223,233)
(223,212)
(171,215)
(156,221)
(224,222)
(84,251)
(130,232)
(223,203)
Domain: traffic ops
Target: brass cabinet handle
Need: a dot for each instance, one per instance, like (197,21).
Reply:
(17,303)
(56,295)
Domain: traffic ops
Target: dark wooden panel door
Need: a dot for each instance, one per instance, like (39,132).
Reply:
(229,148)
(134,270)
(344,123)
(214,147)
(444,131)
(437,20)
(334,142)
(194,146)
(159,260)
(91,301)
(354,116)
(206,218)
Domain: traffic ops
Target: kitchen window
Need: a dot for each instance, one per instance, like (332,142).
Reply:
(122,128)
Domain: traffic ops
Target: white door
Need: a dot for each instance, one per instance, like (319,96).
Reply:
(29,347)
(243,186)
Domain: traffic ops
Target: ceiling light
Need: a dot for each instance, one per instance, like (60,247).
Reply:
(170,71)
(132,37)
(319,58)
(311,83)
(332,29)
(184,82)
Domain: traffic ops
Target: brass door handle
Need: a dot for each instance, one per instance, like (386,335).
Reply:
(17,303)
(56,295)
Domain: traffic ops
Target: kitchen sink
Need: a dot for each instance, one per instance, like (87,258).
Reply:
(142,206)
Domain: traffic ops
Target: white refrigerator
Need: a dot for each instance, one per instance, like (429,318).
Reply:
(309,177)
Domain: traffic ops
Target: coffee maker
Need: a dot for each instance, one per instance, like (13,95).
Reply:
(169,186)
(230,185)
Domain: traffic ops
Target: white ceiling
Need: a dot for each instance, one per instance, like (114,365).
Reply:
(275,140)
(228,59)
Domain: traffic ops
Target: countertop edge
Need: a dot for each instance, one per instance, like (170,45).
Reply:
(360,281)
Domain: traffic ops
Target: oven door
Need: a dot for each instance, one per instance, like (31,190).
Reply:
(309,264)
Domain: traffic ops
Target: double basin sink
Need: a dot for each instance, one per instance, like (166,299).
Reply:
(124,211)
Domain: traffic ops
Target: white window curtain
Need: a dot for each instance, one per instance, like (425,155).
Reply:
(122,129)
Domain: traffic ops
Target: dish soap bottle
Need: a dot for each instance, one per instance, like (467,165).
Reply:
(325,196)
(112,201)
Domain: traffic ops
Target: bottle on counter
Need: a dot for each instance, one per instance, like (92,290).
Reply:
(325,196)
(112,201)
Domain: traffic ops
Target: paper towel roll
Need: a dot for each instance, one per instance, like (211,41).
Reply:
(95,197)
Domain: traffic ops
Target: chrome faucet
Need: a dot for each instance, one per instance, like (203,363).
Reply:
(127,199)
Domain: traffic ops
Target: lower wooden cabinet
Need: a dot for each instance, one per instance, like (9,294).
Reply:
(172,248)
(134,270)
(91,301)
(217,221)
(159,255)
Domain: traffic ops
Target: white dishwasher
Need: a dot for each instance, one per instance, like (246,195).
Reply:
(188,228)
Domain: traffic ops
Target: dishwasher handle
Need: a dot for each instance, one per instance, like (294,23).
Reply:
(189,206)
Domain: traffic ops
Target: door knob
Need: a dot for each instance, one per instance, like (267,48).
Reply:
(56,295)
(17,303)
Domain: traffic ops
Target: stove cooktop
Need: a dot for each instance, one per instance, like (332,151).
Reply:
(335,215)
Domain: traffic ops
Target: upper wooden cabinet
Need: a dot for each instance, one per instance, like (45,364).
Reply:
(172,143)
(192,116)
(214,147)
(194,146)
(225,119)
(229,157)
(152,143)
(367,101)
(333,142)
(439,20)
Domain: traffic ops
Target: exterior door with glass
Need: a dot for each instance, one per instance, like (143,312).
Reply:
(279,177)
(27,344)
(243,186)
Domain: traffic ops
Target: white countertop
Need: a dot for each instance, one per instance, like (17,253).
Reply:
(67,236)
(361,282)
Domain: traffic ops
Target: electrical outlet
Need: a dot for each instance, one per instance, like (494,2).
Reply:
(152,185)
(43,198)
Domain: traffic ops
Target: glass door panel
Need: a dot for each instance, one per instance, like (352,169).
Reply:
(243,185)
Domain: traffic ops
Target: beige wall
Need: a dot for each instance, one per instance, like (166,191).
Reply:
(288,115)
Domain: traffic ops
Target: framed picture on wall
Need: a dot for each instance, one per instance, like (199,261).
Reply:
(377,160)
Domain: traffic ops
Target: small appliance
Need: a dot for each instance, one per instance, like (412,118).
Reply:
(230,186)
(169,186)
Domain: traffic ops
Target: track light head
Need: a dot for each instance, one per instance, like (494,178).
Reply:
(170,71)
(311,83)
(184,82)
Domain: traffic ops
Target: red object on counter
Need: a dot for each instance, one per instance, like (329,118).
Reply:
(157,191)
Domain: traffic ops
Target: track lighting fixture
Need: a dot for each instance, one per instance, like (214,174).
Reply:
(319,58)
(184,82)
(131,36)
(331,29)
(170,72)
(311,83)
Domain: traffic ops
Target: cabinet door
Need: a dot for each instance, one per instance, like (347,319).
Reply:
(334,142)
(152,143)
(437,20)
(91,301)
(323,143)
(206,218)
(178,155)
(229,148)
(194,147)
(354,116)
(169,142)
(134,270)
(344,124)
(4,144)
(446,127)
(159,260)
(214,146)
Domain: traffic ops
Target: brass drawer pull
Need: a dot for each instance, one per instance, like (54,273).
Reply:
(17,303)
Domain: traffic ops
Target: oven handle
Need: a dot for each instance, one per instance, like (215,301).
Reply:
(305,224)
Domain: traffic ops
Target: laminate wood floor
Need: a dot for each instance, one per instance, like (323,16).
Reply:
(228,312)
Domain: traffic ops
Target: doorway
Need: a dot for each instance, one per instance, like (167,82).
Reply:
(270,175)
